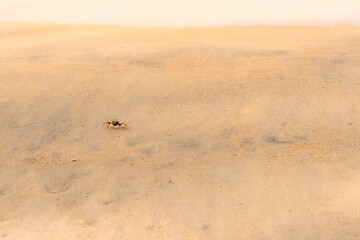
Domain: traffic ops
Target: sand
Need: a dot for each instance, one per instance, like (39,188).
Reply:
(234,132)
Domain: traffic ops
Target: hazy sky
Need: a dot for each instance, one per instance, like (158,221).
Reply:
(181,12)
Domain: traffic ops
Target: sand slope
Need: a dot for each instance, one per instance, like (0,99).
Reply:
(234,133)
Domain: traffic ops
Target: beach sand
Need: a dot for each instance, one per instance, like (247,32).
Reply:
(233,132)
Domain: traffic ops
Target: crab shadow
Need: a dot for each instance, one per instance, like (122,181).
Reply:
(117,128)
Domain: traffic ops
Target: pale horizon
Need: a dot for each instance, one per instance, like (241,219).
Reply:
(181,13)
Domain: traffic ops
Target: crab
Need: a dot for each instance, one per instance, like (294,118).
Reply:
(115,123)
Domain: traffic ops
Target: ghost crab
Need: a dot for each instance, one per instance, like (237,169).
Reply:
(115,123)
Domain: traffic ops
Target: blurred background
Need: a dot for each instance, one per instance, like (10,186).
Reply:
(179,13)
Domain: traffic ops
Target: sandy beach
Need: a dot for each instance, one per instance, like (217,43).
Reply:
(233,133)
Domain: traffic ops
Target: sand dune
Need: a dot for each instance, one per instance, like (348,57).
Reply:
(234,133)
